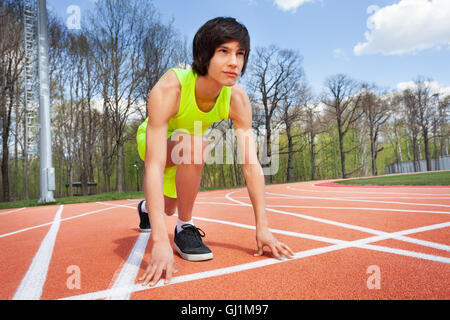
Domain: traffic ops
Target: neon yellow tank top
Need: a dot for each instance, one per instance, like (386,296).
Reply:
(189,117)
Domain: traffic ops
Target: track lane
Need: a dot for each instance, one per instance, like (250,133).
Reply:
(99,238)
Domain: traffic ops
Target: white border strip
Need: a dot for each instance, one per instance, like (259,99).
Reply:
(11,211)
(130,270)
(358,208)
(379,191)
(338,245)
(32,284)
(350,226)
(383,235)
(357,200)
(65,219)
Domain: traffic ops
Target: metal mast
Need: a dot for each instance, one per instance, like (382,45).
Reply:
(31,125)
(38,91)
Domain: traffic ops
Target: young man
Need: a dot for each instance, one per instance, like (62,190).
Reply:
(179,101)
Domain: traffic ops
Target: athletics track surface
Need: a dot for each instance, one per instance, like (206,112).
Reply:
(350,243)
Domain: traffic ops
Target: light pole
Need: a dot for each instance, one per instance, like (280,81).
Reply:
(47,172)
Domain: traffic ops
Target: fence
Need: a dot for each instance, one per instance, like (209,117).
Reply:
(442,163)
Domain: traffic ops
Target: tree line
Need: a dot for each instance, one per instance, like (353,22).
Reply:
(102,73)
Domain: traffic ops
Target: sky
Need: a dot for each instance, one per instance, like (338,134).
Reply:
(386,42)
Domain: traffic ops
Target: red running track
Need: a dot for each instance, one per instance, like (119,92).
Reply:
(350,243)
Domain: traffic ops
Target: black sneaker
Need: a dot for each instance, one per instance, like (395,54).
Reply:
(144,225)
(189,244)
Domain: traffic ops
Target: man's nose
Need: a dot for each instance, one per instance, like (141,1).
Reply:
(233,60)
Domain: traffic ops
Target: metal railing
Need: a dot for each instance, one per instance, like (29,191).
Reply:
(441,163)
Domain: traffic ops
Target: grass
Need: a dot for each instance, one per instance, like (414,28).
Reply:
(441,178)
(79,199)
(109,196)
(430,178)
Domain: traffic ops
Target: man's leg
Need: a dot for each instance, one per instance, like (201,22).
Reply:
(180,151)
(191,155)
(170,204)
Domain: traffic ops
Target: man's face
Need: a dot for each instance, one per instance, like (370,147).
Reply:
(226,65)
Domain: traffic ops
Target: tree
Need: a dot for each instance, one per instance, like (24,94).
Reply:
(343,98)
(411,112)
(425,111)
(162,48)
(291,110)
(115,30)
(274,75)
(376,112)
(314,126)
(11,65)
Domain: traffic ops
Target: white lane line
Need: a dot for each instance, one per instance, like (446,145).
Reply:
(348,226)
(386,210)
(356,200)
(130,270)
(12,211)
(364,192)
(337,245)
(62,220)
(31,286)
(384,197)
(219,203)
(385,235)
(380,235)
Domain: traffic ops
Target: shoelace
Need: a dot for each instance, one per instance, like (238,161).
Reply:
(194,234)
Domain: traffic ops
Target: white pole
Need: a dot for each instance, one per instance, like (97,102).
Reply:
(47,172)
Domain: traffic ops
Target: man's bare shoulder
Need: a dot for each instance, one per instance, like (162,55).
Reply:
(168,84)
(164,98)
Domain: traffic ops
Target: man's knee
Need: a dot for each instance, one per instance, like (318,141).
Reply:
(170,213)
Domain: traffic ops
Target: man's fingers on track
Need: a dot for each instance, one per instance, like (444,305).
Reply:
(259,251)
(291,252)
(285,250)
(148,275)
(157,276)
(275,252)
(169,272)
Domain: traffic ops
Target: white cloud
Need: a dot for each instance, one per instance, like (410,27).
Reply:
(290,5)
(435,87)
(405,27)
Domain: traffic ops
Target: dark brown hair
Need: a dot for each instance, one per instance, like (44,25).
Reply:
(214,33)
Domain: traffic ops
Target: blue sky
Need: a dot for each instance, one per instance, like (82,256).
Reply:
(387,42)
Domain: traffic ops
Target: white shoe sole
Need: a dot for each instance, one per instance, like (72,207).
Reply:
(193,257)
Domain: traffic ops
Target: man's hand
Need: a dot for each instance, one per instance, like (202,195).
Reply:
(161,260)
(265,238)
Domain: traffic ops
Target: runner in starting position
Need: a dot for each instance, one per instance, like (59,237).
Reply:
(206,94)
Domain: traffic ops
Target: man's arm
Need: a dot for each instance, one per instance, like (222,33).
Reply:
(162,105)
(241,115)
